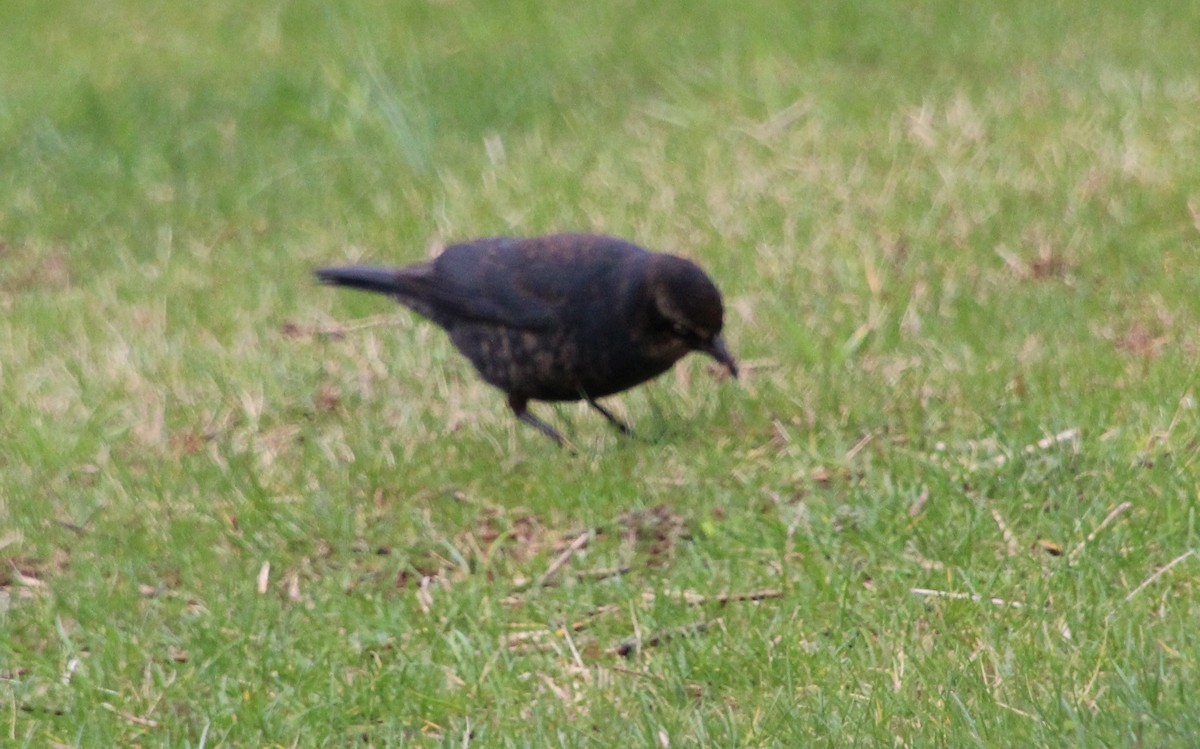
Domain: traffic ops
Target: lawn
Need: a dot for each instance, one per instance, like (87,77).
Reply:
(952,502)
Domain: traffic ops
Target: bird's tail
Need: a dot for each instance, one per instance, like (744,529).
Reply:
(388,281)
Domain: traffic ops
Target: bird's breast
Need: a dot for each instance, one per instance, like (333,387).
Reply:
(559,364)
(534,364)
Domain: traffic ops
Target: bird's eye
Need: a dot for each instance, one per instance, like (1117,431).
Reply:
(680,331)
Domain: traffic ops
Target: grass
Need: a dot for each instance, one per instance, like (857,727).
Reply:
(237,509)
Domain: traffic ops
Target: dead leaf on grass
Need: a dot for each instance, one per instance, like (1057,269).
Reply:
(1048,547)
(520,537)
(654,532)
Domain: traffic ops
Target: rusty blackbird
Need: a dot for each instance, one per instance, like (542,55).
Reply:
(559,318)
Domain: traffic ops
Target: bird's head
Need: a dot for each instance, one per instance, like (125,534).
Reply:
(687,311)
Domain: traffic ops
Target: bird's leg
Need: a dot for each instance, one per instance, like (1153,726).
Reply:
(520,408)
(620,425)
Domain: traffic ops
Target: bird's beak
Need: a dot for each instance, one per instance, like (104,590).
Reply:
(717,350)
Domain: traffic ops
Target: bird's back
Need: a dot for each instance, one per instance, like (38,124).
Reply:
(529,284)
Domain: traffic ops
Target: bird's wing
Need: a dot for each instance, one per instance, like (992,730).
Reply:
(517,283)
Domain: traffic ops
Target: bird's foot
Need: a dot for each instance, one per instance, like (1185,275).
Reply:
(520,408)
(621,426)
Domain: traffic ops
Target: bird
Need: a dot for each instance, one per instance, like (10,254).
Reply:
(563,317)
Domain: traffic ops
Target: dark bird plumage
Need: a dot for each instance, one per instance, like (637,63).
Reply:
(559,318)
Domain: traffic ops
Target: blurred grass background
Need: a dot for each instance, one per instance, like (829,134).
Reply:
(238,509)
